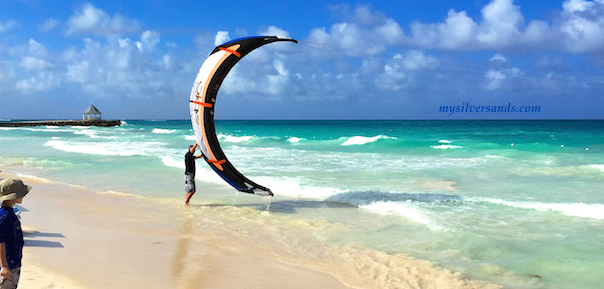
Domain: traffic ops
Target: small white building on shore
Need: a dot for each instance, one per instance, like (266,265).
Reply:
(92,113)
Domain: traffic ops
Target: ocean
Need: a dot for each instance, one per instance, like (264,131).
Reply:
(515,203)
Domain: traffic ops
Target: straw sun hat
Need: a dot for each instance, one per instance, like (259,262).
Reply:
(11,189)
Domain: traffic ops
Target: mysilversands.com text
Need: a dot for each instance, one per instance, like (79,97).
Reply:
(467,108)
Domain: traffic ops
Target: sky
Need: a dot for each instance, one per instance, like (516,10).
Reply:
(392,59)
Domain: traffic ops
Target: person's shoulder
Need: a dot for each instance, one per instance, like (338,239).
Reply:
(4,212)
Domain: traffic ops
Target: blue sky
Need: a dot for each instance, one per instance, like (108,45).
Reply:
(355,60)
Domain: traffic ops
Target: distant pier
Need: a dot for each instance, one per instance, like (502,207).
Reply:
(104,123)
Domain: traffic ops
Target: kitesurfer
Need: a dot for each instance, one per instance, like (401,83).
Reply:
(190,172)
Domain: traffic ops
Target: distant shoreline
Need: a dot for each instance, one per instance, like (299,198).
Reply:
(103,123)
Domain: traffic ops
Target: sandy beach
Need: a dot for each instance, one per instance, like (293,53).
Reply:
(79,239)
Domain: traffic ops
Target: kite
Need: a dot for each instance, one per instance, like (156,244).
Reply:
(202,102)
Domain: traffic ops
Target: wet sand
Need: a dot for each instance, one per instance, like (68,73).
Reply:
(78,239)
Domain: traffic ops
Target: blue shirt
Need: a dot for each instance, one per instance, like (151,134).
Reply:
(12,236)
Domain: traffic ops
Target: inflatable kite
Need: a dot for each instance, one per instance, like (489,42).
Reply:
(202,102)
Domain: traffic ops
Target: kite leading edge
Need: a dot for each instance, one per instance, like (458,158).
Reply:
(203,99)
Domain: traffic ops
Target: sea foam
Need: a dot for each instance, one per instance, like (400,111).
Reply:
(404,204)
(108,148)
(590,211)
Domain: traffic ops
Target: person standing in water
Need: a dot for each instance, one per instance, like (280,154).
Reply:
(190,172)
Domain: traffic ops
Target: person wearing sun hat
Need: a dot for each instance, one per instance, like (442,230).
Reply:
(12,192)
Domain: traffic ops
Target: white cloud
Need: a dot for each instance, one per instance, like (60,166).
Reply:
(269,78)
(167,62)
(91,20)
(33,56)
(456,33)
(354,39)
(502,21)
(495,79)
(367,34)
(273,31)
(84,72)
(7,78)
(552,64)
(500,28)
(417,60)
(393,78)
(390,32)
(6,25)
(277,82)
(31,48)
(499,57)
(399,72)
(577,5)
(148,40)
(48,25)
(221,37)
(579,28)
(42,82)
(582,25)
(33,63)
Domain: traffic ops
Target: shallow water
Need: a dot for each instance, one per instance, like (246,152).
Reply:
(517,203)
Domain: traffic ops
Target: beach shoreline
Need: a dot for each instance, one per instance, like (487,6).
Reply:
(80,239)
(73,241)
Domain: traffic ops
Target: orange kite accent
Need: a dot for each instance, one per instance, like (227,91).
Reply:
(217,163)
(231,51)
(208,105)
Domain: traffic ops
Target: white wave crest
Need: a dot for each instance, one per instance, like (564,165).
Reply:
(234,139)
(294,139)
(296,187)
(361,140)
(599,167)
(590,211)
(446,147)
(86,132)
(164,131)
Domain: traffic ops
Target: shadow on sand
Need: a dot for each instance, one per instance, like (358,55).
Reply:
(27,235)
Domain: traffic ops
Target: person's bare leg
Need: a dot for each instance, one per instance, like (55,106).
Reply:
(188,197)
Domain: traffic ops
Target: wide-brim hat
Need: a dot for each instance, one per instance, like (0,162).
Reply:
(11,189)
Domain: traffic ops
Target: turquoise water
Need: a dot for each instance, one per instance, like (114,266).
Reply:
(517,203)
